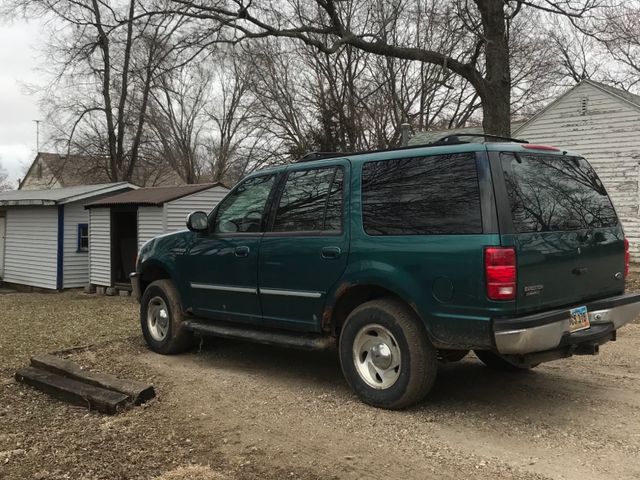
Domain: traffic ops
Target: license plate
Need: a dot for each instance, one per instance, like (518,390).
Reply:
(579,319)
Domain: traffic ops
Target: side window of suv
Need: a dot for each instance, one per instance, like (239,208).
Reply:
(311,201)
(241,211)
(434,195)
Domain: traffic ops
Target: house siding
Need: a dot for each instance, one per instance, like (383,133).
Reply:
(177,211)
(100,246)
(607,135)
(31,246)
(150,223)
(76,264)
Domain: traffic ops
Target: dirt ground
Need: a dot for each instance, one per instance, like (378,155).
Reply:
(233,410)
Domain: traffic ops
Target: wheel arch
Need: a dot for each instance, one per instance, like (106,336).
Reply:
(151,271)
(349,296)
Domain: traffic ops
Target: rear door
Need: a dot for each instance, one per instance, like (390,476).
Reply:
(569,243)
(305,252)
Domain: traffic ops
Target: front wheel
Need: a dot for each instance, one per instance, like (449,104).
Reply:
(161,319)
(386,356)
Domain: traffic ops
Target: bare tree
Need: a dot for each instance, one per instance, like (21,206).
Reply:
(619,32)
(5,183)
(480,31)
(231,116)
(177,119)
(105,58)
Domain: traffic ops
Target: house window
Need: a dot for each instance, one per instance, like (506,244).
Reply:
(83,237)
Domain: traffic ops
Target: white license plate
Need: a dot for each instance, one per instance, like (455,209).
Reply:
(579,319)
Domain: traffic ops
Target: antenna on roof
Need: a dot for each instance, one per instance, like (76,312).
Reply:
(37,136)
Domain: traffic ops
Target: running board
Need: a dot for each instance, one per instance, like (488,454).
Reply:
(301,341)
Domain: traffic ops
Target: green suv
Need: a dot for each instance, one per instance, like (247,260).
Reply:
(402,259)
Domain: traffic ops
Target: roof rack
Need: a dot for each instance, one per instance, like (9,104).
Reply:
(308,157)
(455,138)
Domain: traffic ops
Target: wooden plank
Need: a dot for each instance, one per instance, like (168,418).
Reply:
(72,391)
(138,391)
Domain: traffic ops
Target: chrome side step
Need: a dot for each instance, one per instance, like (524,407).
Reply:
(301,341)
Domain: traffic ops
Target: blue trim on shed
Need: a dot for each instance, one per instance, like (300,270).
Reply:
(60,271)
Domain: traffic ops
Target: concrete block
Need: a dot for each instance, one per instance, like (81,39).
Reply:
(124,293)
(110,291)
(89,288)
(100,290)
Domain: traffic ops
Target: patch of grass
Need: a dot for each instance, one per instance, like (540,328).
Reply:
(34,323)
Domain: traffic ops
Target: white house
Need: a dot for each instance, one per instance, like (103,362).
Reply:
(600,122)
(120,224)
(44,235)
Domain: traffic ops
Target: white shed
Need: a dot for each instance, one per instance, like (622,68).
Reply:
(44,239)
(603,124)
(119,225)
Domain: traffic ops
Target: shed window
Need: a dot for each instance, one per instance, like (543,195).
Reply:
(83,237)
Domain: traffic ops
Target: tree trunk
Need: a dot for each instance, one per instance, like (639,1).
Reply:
(496,94)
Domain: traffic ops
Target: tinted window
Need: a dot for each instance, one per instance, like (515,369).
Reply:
(552,192)
(242,209)
(311,201)
(421,196)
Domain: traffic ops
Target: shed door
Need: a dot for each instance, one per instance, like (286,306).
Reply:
(2,235)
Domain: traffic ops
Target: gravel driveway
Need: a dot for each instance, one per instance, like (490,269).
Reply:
(237,410)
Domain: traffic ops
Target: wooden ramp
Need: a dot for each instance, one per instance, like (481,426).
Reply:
(66,381)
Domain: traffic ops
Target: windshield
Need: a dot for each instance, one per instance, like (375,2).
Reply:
(553,192)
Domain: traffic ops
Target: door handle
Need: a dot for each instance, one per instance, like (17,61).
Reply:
(242,251)
(330,253)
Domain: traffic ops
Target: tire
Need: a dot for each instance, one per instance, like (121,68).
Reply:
(498,362)
(161,319)
(389,322)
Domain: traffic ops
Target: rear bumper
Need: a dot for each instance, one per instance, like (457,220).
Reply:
(550,330)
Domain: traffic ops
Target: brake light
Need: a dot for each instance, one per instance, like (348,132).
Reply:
(533,146)
(500,272)
(626,257)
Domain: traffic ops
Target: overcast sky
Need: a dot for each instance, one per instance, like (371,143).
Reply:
(18,109)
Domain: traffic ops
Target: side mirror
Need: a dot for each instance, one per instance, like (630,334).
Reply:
(198,222)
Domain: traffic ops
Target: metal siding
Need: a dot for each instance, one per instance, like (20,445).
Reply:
(76,264)
(100,246)
(607,136)
(150,223)
(31,252)
(177,211)
(2,224)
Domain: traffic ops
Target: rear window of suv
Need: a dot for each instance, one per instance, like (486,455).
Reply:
(555,193)
(434,195)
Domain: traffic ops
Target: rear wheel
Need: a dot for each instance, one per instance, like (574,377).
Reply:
(498,362)
(386,356)
(161,319)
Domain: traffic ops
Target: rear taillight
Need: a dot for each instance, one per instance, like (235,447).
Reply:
(626,257)
(500,272)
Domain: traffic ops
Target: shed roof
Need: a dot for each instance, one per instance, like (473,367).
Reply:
(59,196)
(153,196)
